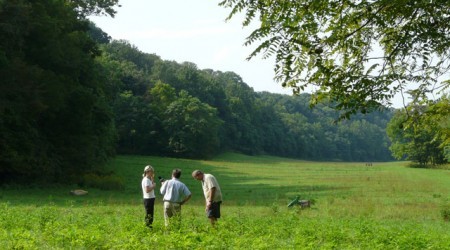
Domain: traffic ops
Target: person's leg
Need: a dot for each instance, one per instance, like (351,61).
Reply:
(213,213)
(167,212)
(213,220)
(148,215)
(151,210)
(177,214)
(177,209)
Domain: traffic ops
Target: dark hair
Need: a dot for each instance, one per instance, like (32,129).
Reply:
(176,173)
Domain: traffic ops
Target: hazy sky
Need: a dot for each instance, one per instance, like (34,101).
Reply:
(193,31)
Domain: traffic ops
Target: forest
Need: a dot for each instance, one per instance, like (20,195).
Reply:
(176,109)
(71,97)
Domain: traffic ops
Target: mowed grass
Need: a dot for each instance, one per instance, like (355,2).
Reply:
(385,206)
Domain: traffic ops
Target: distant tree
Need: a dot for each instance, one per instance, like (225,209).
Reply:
(438,113)
(357,54)
(416,139)
(98,35)
(313,134)
(241,130)
(298,132)
(122,50)
(162,95)
(137,124)
(253,123)
(192,127)
(94,7)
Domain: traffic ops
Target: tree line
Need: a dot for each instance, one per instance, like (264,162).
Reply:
(71,98)
(175,109)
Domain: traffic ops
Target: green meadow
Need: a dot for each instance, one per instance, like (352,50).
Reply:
(384,206)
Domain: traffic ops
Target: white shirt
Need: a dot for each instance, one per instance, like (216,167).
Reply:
(146,182)
(174,191)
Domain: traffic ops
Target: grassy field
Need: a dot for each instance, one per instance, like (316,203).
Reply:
(385,206)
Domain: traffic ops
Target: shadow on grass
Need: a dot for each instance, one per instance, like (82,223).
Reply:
(242,189)
(237,188)
(240,158)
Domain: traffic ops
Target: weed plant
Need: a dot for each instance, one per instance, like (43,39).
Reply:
(386,206)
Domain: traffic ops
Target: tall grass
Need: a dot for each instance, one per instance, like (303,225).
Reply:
(386,206)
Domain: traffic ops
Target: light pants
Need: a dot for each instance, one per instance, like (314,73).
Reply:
(171,210)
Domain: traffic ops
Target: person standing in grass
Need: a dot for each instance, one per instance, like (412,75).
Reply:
(213,194)
(148,189)
(175,193)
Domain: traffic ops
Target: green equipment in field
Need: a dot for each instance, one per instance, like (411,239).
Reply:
(301,203)
(293,202)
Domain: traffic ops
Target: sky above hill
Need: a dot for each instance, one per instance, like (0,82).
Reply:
(193,31)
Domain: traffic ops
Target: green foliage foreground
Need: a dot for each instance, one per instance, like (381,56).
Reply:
(386,206)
